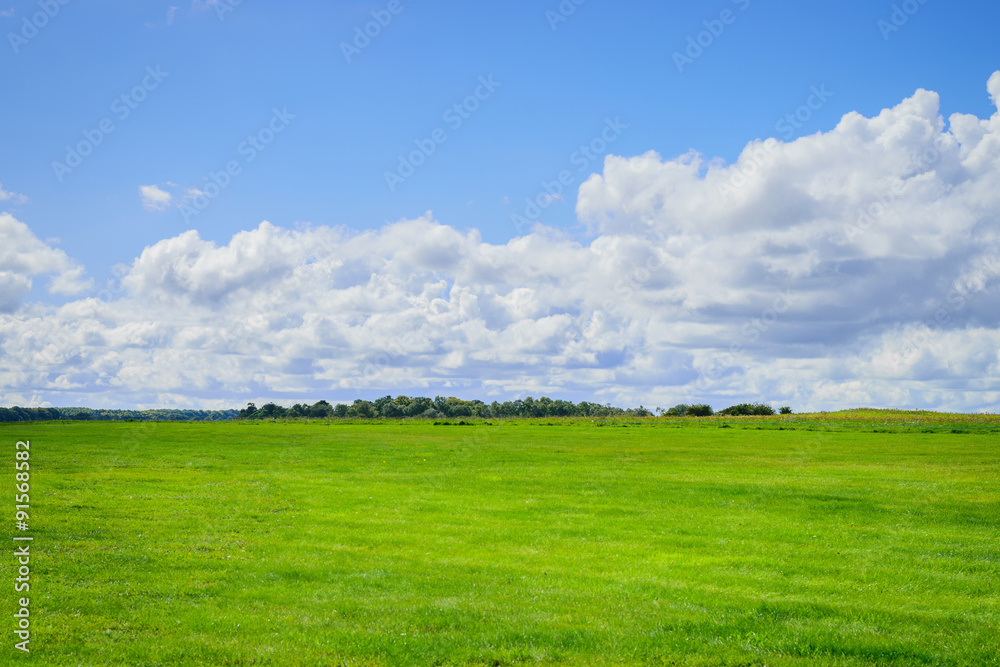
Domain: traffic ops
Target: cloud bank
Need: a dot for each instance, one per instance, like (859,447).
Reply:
(858,266)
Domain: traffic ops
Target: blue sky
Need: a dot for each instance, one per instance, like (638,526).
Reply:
(227,68)
(354,119)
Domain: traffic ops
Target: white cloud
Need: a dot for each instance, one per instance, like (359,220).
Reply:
(12,197)
(153,198)
(23,255)
(13,288)
(994,88)
(857,266)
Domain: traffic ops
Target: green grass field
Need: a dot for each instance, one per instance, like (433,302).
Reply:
(707,542)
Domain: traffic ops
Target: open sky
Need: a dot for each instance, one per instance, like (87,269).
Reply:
(638,203)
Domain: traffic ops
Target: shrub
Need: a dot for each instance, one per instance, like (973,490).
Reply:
(748,409)
(677,410)
(786,410)
(701,410)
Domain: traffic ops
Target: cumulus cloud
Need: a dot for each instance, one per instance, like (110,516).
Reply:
(153,198)
(859,266)
(22,256)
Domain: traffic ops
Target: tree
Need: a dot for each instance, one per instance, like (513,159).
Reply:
(380,404)
(270,411)
(529,408)
(441,405)
(361,408)
(418,406)
(391,410)
(748,409)
(321,410)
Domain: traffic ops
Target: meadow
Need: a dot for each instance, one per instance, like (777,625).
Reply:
(848,539)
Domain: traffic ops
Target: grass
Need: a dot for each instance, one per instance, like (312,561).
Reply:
(393,543)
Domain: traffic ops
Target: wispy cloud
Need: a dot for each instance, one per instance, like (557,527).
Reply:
(171,14)
(12,197)
(153,198)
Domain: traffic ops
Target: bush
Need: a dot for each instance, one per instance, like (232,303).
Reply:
(677,410)
(748,409)
(785,410)
(701,410)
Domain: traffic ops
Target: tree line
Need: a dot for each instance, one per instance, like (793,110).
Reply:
(421,407)
(387,407)
(739,410)
(19,414)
